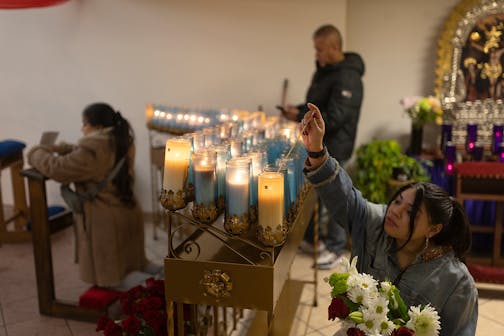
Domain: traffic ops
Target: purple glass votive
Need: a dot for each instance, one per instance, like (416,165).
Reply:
(501,152)
(471,137)
(446,135)
(497,138)
(450,156)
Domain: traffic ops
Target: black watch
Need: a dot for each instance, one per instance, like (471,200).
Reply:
(315,155)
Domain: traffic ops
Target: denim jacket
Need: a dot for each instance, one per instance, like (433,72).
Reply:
(444,282)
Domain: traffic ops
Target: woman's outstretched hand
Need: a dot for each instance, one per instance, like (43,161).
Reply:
(312,128)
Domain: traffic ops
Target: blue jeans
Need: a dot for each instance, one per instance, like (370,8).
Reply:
(334,239)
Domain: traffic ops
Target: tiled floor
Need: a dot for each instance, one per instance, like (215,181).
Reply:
(19,308)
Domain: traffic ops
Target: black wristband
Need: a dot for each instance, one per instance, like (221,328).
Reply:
(317,154)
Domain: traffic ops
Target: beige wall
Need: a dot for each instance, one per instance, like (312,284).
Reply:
(221,53)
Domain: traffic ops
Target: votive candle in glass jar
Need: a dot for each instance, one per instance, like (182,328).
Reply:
(237,196)
(471,136)
(257,168)
(450,156)
(223,155)
(176,165)
(205,185)
(271,230)
(236,147)
(496,137)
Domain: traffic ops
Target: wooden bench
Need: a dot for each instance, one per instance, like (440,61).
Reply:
(42,229)
(18,213)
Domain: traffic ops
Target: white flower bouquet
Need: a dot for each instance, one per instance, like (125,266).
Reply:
(369,308)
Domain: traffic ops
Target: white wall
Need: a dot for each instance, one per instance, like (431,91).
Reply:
(220,53)
(398,40)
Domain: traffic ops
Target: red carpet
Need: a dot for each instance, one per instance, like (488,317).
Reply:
(486,273)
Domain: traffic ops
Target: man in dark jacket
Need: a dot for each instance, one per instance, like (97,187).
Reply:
(336,88)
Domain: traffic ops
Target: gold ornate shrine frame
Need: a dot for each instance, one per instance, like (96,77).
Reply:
(450,84)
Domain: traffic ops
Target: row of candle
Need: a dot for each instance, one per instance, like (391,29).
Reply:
(186,119)
(472,137)
(245,182)
(473,147)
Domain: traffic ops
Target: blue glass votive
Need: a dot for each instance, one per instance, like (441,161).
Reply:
(237,186)
(471,136)
(450,156)
(205,179)
(497,138)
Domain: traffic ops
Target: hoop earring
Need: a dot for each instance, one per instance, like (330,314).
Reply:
(426,243)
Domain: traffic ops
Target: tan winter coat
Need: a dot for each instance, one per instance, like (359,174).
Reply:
(110,236)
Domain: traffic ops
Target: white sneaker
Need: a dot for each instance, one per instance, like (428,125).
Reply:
(307,247)
(328,260)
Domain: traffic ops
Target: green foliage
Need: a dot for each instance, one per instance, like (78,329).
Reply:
(374,165)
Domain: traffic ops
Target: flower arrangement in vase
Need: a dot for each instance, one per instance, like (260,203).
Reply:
(367,307)
(421,110)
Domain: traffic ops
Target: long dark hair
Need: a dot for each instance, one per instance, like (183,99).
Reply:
(102,114)
(444,209)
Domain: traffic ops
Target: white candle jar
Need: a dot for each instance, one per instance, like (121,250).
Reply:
(176,165)
(271,225)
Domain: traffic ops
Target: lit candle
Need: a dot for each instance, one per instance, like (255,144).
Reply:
(257,168)
(236,147)
(450,156)
(223,155)
(501,152)
(471,136)
(205,179)
(237,186)
(271,200)
(176,164)
(497,138)
(149,112)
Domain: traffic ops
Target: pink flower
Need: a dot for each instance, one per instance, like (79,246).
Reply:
(409,101)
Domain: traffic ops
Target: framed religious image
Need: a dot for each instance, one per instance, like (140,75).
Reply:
(469,70)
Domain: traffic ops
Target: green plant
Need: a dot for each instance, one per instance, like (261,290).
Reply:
(374,165)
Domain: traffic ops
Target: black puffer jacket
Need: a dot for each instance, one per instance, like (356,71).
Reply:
(337,90)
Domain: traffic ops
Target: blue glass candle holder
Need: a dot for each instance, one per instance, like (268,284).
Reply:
(497,138)
(237,218)
(471,136)
(450,157)
(205,186)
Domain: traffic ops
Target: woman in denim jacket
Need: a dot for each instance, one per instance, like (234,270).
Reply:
(417,241)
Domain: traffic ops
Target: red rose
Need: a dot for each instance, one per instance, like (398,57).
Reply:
(155,319)
(102,322)
(402,331)
(131,325)
(127,305)
(149,303)
(338,308)
(155,287)
(112,329)
(355,332)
